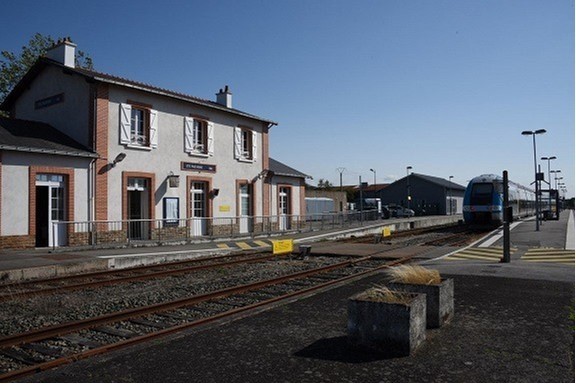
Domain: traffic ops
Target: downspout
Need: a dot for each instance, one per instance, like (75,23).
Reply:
(92,172)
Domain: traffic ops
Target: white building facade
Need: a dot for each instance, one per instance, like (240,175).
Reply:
(165,165)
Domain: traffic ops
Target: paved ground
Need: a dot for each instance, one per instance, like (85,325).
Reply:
(504,330)
(512,324)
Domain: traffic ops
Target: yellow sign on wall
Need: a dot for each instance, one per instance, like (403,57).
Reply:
(224,208)
(386,231)
(282,246)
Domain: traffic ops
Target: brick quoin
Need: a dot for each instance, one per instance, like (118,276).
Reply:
(101,147)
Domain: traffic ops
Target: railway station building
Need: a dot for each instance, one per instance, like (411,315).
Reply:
(86,157)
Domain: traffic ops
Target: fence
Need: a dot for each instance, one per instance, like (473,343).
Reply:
(124,232)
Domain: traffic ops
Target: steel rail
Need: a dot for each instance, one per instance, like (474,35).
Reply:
(123,270)
(60,329)
(125,279)
(178,328)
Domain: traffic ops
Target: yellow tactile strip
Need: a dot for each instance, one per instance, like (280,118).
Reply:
(479,254)
(549,255)
(245,244)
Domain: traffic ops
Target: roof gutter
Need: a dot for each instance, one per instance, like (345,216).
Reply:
(48,151)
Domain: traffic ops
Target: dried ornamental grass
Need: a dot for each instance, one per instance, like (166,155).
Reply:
(384,294)
(414,274)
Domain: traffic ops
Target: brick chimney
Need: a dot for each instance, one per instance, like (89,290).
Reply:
(224,97)
(64,52)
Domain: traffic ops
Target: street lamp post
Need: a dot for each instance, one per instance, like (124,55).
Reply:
(371,170)
(549,181)
(556,172)
(408,168)
(534,133)
(450,192)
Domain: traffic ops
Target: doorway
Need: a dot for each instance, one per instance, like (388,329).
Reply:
(284,208)
(138,209)
(50,210)
(245,204)
(198,208)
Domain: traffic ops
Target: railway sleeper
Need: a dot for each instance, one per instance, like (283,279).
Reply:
(77,339)
(119,332)
(44,349)
(21,356)
(150,323)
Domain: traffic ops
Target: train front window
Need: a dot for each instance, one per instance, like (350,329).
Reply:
(481,194)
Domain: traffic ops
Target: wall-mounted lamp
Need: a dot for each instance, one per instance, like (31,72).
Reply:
(173,180)
(215,192)
(121,156)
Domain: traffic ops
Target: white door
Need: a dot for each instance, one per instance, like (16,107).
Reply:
(50,211)
(198,209)
(245,205)
(284,208)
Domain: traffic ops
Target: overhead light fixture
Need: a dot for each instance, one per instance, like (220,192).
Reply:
(121,156)
(173,180)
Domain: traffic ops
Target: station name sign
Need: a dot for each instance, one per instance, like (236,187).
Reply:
(47,102)
(197,167)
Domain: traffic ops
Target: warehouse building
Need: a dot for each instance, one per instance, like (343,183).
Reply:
(426,195)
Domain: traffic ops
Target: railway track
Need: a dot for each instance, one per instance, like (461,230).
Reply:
(48,347)
(45,346)
(63,284)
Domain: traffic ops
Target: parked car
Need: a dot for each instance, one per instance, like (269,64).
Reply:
(398,211)
(386,214)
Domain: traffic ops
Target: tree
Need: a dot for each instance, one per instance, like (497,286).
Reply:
(325,184)
(13,67)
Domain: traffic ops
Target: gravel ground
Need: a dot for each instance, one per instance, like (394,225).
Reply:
(504,330)
(20,315)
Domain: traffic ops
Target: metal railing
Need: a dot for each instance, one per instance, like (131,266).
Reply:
(126,232)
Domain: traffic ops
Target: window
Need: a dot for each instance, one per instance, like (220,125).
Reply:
(245,144)
(138,126)
(198,137)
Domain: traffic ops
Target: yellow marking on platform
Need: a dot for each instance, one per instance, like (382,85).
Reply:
(243,245)
(223,245)
(549,255)
(489,254)
(262,243)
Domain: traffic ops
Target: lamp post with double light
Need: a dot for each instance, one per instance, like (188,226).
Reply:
(371,170)
(534,133)
(549,181)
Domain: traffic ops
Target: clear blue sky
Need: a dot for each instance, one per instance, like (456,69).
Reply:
(443,86)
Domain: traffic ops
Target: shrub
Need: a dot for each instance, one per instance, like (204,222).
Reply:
(414,274)
(384,294)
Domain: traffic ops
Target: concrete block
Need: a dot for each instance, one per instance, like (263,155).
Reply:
(439,300)
(389,329)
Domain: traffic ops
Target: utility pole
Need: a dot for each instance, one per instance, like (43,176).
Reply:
(341,170)
(507,216)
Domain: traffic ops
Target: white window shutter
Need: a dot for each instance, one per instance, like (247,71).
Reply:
(210,135)
(153,128)
(237,142)
(125,118)
(188,134)
(254,145)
